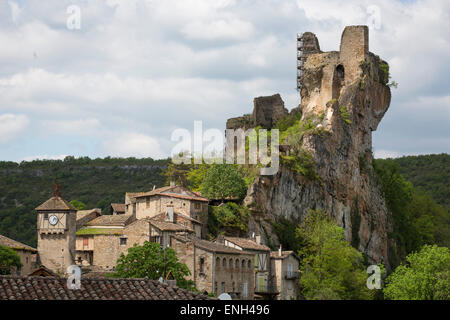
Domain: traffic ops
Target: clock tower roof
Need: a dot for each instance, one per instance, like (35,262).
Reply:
(56,203)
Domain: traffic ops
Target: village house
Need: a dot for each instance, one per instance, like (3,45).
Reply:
(284,268)
(101,241)
(261,264)
(117,208)
(184,202)
(26,254)
(216,268)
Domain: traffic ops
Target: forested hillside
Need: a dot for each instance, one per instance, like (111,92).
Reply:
(96,183)
(430,172)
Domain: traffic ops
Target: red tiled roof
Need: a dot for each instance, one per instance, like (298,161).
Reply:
(284,254)
(247,244)
(110,220)
(118,207)
(54,288)
(13,244)
(163,192)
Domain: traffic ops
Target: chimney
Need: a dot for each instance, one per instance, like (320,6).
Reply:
(258,239)
(154,187)
(169,214)
(172,183)
(279,251)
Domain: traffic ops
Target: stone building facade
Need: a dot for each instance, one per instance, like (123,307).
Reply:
(216,268)
(261,264)
(284,267)
(56,227)
(27,254)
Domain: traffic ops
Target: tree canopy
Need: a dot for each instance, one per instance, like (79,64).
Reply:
(151,261)
(426,276)
(9,259)
(331,269)
(223,181)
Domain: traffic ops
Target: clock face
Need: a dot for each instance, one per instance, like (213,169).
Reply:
(53,220)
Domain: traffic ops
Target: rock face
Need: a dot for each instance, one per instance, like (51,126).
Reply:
(346,94)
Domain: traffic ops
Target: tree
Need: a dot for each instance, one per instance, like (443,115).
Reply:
(78,204)
(331,269)
(9,259)
(426,276)
(150,261)
(223,181)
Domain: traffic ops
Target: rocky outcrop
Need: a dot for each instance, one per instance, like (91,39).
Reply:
(344,96)
(266,112)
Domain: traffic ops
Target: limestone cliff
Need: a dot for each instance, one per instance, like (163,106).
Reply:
(344,96)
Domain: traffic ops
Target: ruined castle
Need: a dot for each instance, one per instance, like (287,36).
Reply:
(344,95)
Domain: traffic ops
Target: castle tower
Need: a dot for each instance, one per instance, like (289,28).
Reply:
(56,227)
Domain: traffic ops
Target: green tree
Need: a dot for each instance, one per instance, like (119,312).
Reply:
(331,268)
(150,261)
(196,175)
(78,204)
(426,276)
(223,181)
(8,260)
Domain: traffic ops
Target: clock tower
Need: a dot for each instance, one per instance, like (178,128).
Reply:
(56,228)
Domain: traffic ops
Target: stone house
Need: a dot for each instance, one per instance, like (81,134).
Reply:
(284,267)
(216,268)
(155,202)
(26,254)
(101,241)
(84,216)
(260,264)
(117,208)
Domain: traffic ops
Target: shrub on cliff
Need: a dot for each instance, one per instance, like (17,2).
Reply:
(331,269)
(223,181)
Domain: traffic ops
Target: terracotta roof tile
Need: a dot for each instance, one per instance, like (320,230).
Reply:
(168,226)
(164,192)
(284,254)
(247,244)
(55,288)
(110,220)
(118,207)
(13,244)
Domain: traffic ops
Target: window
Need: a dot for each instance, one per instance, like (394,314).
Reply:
(197,206)
(249,264)
(215,287)
(289,285)
(290,269)
(224,262)
(156,239)
(202,263)
(223,287)
(123,241)
(236,264)
(230,263)
(147,202)
(45,216)
(26,260)
(243,264)
(85,242)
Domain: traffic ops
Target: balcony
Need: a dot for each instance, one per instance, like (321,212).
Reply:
(291,275)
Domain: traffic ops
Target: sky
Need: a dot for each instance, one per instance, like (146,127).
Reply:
(117,77)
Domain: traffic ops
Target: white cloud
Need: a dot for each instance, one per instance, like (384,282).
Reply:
(11,126)
(148,66)
(219,29)
(132,145)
